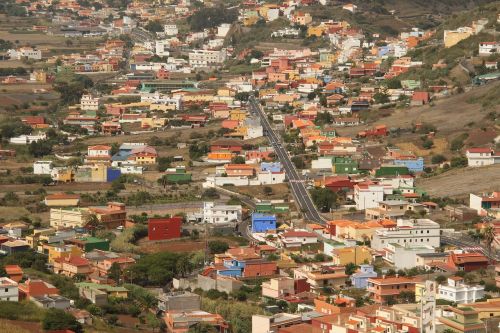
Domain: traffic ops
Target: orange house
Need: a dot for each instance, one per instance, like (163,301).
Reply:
(240,170)
(34,288)
(383,288)
(14,272)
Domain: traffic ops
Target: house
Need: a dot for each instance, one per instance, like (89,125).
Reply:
(227,145)
(359,279)
(14,272)
(262,222)
(278,287)
(483,203)
(62,200)
(368,195)
(467,262)
(98,293)
(89,103)
(52,302)
(488,48)
(456,291)
(420,98)
(404,256)
(164,228)
(319,277)
(71,266)
(87,244)
(297,238)
(217,214)
(384,288)
(272,324)
(388,209)
(354,254)
(461,319)
(35,122)
(477,157)
(15,246)
(98,154)
(350,7)
(8,290)
(36,288)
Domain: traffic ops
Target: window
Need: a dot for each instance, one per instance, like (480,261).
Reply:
(6,290)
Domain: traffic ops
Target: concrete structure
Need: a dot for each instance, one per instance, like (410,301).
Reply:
(25,52)
(218,214)
(89,103)
(483,203)
(207,58)
(278,287)
(179,300)
(404,256)
(477,157)
(8,290)
(42,167)
(68,217)
(272,324)
(457,291)
(415,232)
(355,254)
(368,195)
(461,319)
(98,293)
(62,200)
(52,302)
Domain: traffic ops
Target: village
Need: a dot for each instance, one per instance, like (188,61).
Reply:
(249,166)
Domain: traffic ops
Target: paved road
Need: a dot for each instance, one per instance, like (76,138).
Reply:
(297,184)
(469,246)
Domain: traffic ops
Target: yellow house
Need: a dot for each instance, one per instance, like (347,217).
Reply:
(488,309)
(99,173)
(356,254)
(153,122)
(453,37)
(316,31)
(226,92)
(145,158)
(162,107)
(63,175)
(60,251)
(62,200)
(237,114)
(68,217)
(198,96)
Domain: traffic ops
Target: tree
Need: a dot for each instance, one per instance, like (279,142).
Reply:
(324,199)
(238,160)
(267,190)
(56,319)
(202,328)
(115,272)
(440,279)
(299,162)
(489,236)
(428,144)
(438,159)
(217,246)
(152,321)
(350,268)
(210,17)
(154,26)
(381,98)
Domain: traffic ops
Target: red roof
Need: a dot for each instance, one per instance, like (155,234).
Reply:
(13,269)
(299,234)
(479,150)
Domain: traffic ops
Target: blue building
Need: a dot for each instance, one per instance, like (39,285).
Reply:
(414,165)
(232,268)
(270,166)
(262,222)
(360,278)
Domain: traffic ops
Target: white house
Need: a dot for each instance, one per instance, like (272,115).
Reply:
(27,139)
(8,290)
(350,7)
(162,48)
(411,233)
(368,195)
(477,157)
(489,48)
(89,103)
(223,29)
(323,162)
(170,29)
(207,58)
(25,52)
(269,177)
(295,238)
(404,256)
(42,167)
(458,292)
(217,214)
(481,203)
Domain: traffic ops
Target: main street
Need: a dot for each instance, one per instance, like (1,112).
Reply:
(297,184)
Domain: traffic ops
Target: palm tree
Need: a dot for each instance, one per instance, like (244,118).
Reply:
(92,222)
(489,236)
